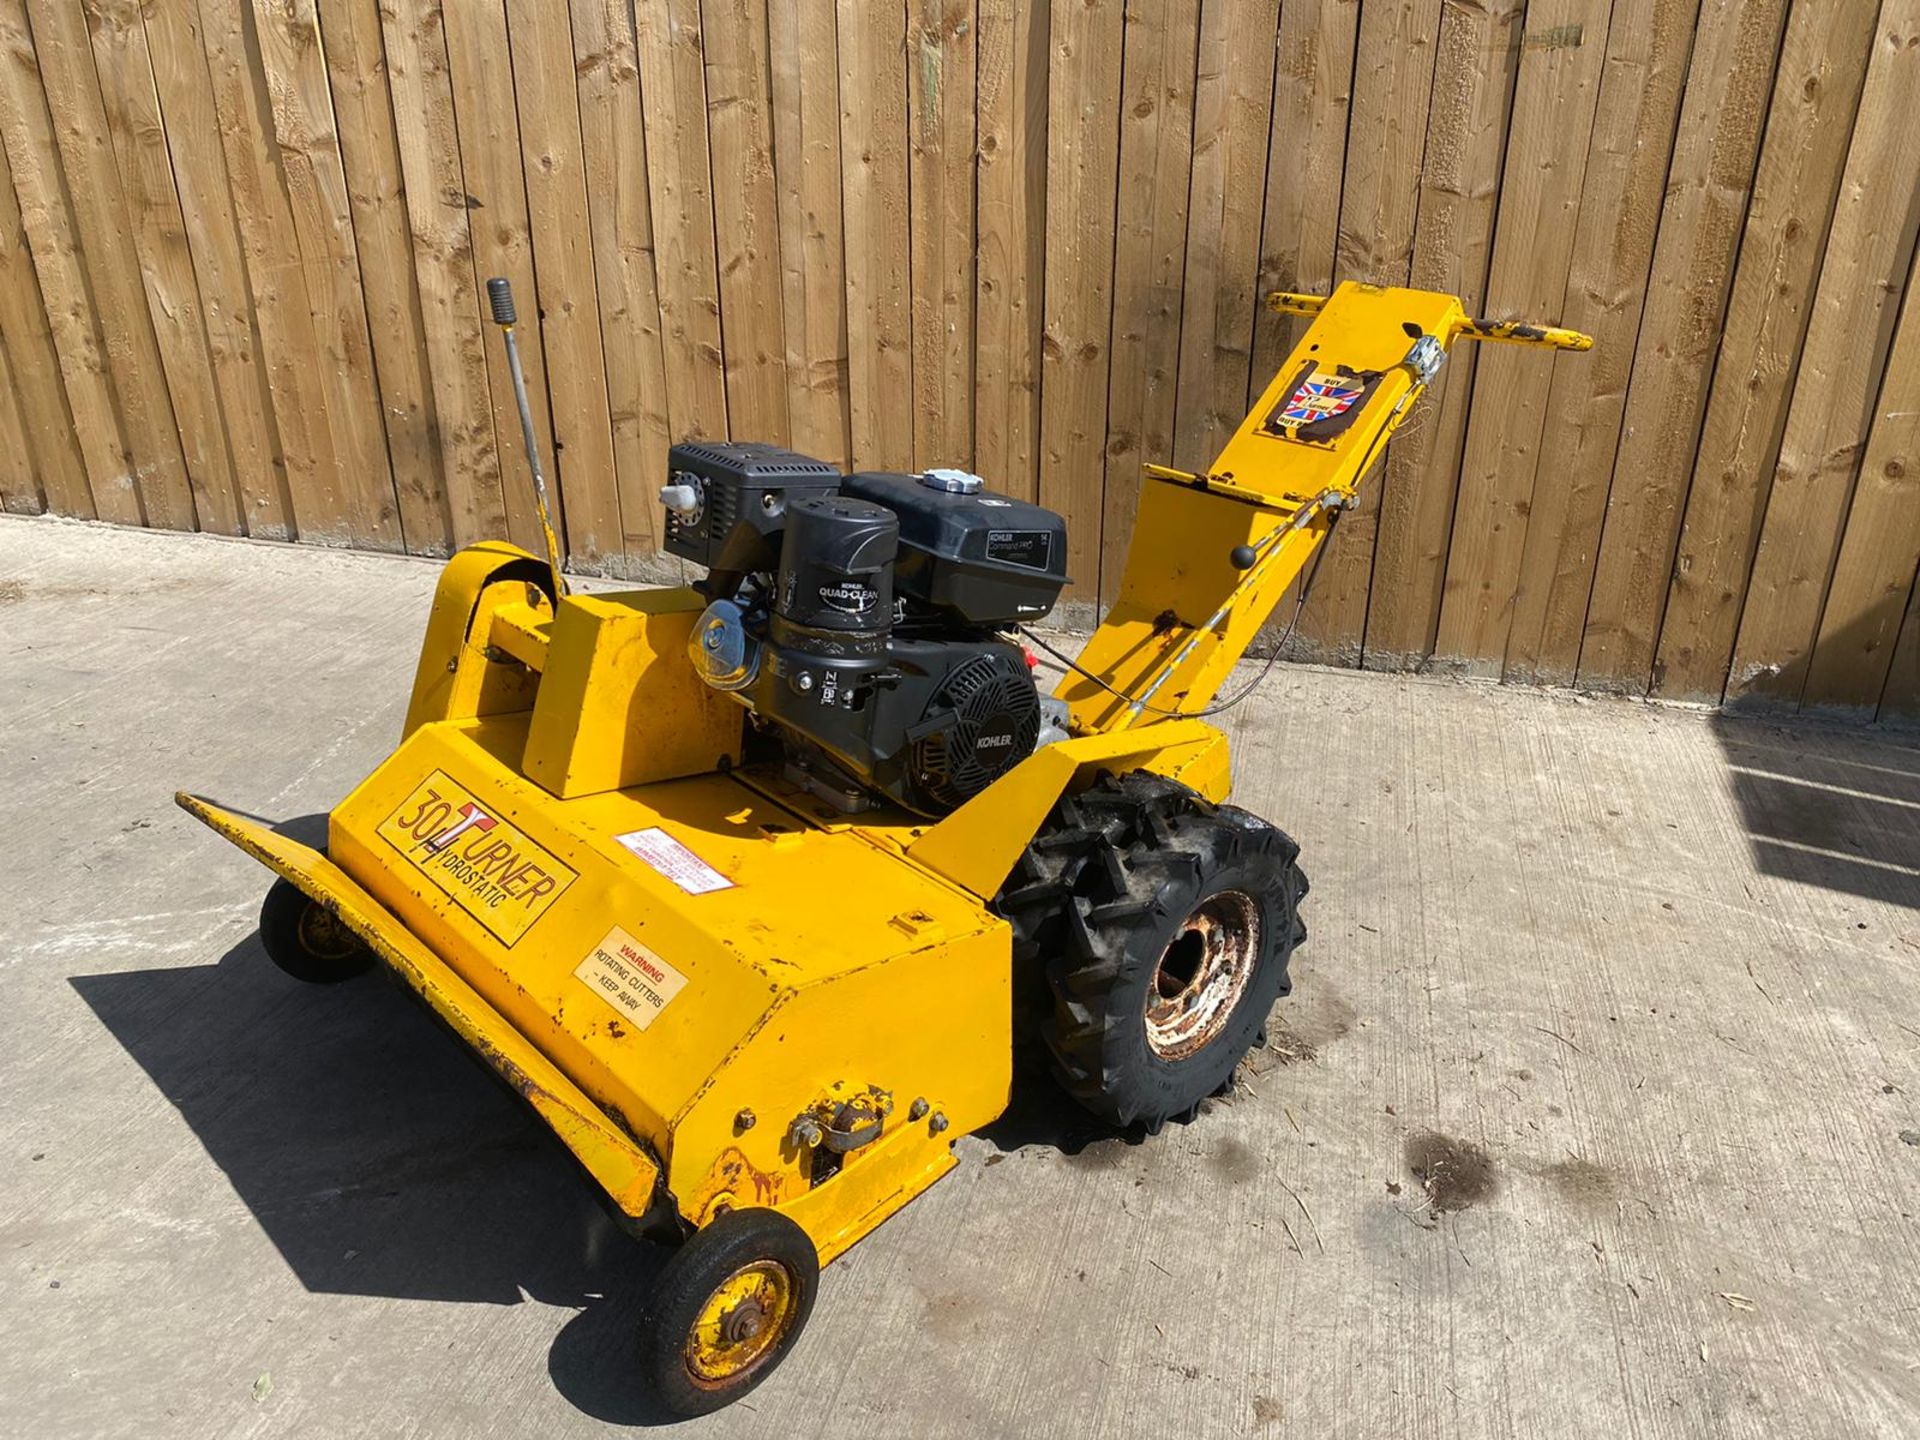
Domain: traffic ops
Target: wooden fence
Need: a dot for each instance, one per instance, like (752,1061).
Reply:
(242,244)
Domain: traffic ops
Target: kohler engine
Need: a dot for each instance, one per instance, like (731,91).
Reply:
(858,617)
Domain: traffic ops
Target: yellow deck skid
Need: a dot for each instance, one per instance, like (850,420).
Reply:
(620,1164)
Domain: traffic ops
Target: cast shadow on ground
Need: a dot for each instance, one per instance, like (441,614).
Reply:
(381,1158)
(1828,806)
(1040,1113)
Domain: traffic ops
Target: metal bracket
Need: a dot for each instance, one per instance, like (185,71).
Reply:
(1425,359)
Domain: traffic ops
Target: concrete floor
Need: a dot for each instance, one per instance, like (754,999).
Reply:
(1638,989)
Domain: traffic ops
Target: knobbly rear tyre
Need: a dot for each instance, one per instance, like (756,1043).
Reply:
(1115,906)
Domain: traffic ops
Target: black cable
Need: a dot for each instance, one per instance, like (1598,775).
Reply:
(1218,706)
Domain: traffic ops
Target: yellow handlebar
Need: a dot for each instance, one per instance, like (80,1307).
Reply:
(1518,332)
(1511,332)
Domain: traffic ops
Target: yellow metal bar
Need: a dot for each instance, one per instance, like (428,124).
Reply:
(1289,302)
(1519,332)
(624,1168)
(523,631)
(1513,332)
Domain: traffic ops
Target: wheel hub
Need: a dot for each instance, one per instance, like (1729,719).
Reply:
(742,1323)
(1202,974)
(322,935)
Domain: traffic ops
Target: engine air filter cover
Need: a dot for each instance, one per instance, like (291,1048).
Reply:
(978,558)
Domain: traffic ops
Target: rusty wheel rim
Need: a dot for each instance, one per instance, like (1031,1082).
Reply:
(322,935)
(1202,974)
(743,1322)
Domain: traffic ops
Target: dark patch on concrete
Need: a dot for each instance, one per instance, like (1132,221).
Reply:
(1267,1410)
(1100,1155)
(1456,1174)
(956,1317)
(1319,1016)
(1907,1137)
(1288,1048)
(10,591)
(1581,1181)
(1234,1162)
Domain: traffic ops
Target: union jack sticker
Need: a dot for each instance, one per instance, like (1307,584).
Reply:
(1321,397)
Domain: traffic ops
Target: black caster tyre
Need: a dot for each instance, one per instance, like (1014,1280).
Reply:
(726,1310)
(307,940)
(1162,927)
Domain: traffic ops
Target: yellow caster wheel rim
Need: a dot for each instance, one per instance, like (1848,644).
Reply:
(743,1321)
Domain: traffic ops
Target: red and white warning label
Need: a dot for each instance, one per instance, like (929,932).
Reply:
(674,860)
(630,978)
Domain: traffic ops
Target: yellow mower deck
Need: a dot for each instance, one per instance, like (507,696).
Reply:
(671,1005)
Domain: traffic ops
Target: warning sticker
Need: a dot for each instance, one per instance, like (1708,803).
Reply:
(675,861)
(630,978)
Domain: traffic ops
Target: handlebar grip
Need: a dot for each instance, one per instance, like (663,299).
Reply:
(1518,332)
(500,297)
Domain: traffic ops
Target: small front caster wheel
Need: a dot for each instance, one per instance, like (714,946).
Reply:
(307,940)
(727,1309)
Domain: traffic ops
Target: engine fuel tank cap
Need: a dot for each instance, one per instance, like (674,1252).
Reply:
(954,482)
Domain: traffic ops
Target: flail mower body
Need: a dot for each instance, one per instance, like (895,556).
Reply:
(749,887)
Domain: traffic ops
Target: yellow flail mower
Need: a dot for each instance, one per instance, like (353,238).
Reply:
(753,888)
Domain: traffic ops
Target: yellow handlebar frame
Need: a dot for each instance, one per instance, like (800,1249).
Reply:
(1508,332)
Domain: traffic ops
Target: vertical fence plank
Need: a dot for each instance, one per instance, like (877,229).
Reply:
(873,158)
(370,154)
(1012,85)
(193,140)
(614,146)
(131,106)
(1083,88)
(673,90)
(940,166)
(1149,259)
(20,490)
(1312,94)
(1386,145)
(49,438)
(1562,51)
(156,468)
(263,217)
(438,225)
(1816,94)
(1475,59)
(1880,551)
(1708,185)
(565,303)
(746,218)
(54,246)
(487,119)
(806,139)
(288,36)
(1648,42)
(1841,368)
(1901,698)
(1233,97)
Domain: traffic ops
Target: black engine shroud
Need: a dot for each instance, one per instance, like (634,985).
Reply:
(859,615)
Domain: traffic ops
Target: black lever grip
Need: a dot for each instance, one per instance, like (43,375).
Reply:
(500,297)
(1241,557)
